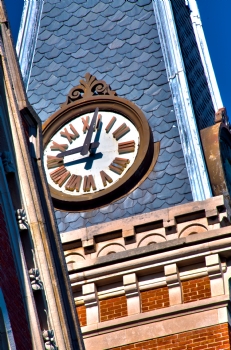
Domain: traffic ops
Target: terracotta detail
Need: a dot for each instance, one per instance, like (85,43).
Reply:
(196,289)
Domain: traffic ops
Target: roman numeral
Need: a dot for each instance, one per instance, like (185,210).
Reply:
(59,147)
(60,175)
(110,124)
(105,178)
(118,165)
(121,131)
(126,147)
(99,119)
(89,183)
(68,135)
(53,162)
(86,125)
(74,183)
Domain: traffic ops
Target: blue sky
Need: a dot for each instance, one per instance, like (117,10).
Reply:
(215,16)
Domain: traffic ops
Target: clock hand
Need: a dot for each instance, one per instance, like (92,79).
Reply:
(87,141)
(77,150)
(97,135)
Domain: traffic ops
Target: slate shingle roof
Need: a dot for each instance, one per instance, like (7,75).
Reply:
(116,41)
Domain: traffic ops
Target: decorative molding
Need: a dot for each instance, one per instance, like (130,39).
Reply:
(7,162)
(36,282)
(88,87)
(22,219)
(20,264)
(27,36)
(190,139)
(204,53)
(48,337)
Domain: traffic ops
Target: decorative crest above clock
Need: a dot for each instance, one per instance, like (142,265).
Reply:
(88,87)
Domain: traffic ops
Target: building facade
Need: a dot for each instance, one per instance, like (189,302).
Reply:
(35,294)
(136,155)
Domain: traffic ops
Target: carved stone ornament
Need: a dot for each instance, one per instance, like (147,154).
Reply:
(22,219)
(36,282)
(48,336)
(89,87)
(7,162)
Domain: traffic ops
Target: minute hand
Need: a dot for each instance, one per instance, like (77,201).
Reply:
(87,140)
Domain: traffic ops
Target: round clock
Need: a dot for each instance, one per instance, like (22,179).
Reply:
(95,151)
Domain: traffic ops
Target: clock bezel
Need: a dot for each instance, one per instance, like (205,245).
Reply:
(129,110)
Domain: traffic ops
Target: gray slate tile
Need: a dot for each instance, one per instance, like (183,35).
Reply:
(117,41)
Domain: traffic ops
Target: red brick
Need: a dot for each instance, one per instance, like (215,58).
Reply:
(81,310)
(113,308)
(196,289)
(154,299)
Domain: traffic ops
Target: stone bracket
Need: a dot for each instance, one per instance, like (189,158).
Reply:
(132,293)
(89,246)
(215,273)
(174,284)
(91,302)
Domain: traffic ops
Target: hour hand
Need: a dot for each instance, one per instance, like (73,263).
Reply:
(76,150)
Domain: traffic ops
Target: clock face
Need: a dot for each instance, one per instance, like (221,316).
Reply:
(91,153)
(96,150)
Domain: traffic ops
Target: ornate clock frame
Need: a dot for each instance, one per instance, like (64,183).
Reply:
(84,98)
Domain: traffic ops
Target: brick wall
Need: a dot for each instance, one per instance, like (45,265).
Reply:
(113,308)
(9,284)
(154,299)
(211,338)
(81,311)
(196,289)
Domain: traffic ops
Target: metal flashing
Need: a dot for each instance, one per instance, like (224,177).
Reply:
(204,53)
(190,139)
(27,36)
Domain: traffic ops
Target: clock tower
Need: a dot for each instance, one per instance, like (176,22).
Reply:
(127,97)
